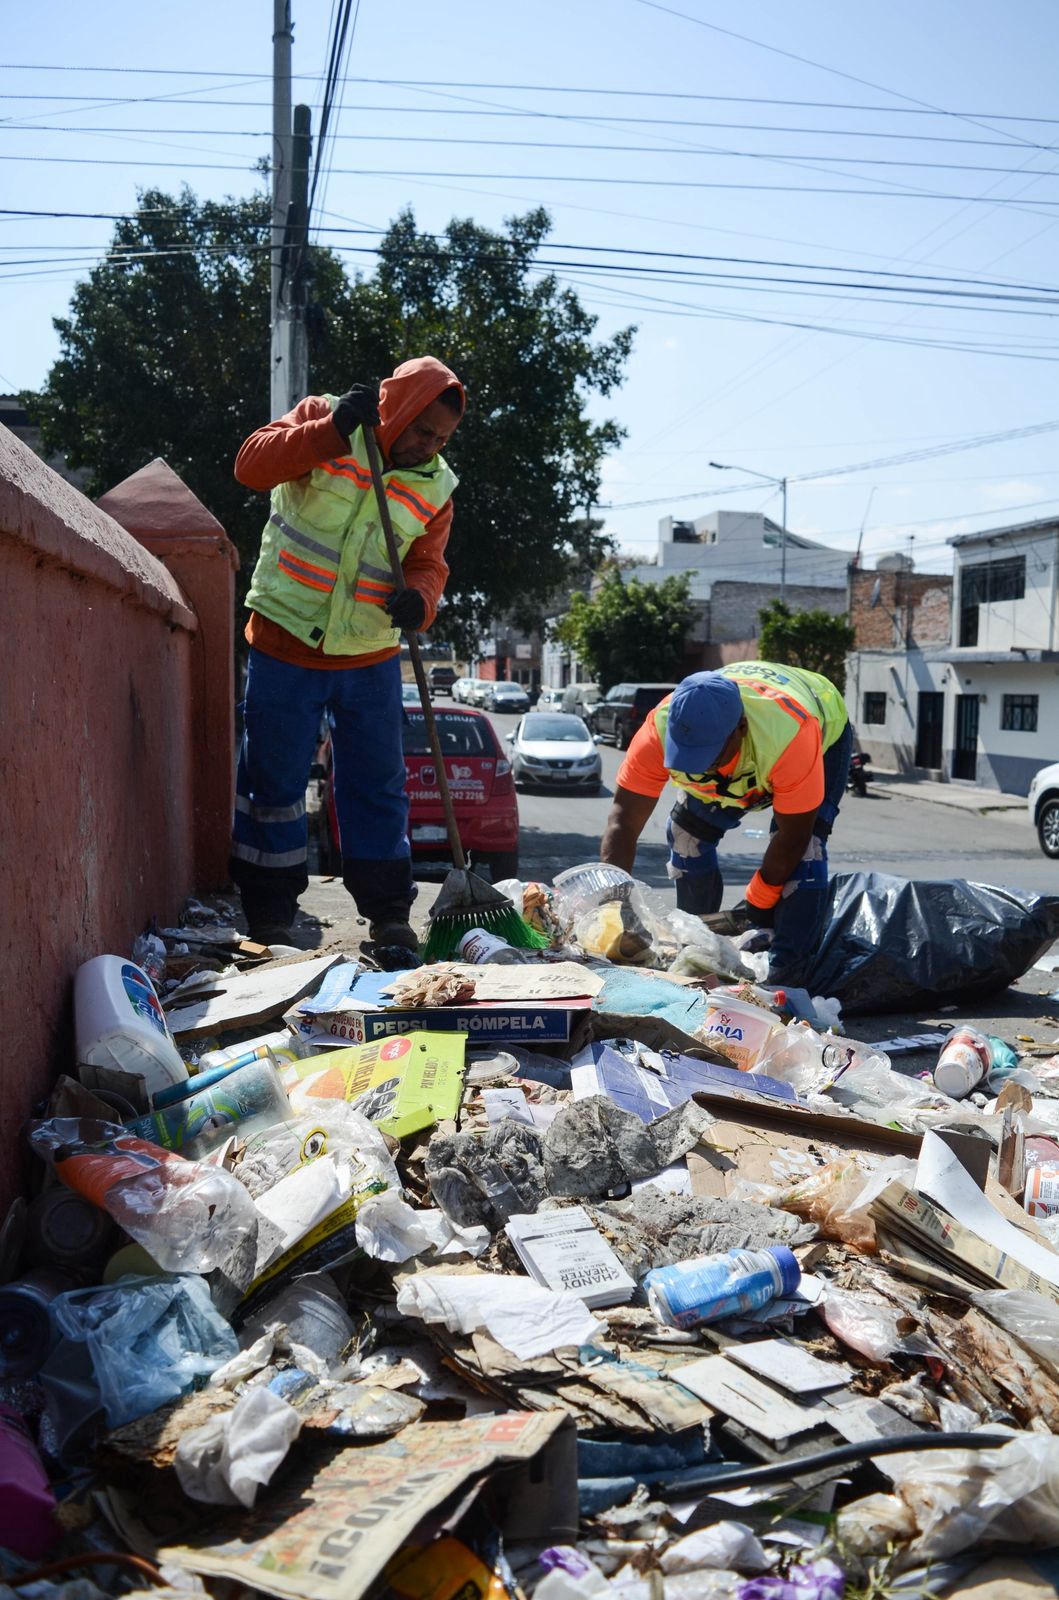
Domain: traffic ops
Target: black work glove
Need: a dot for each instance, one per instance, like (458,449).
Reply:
(745,916)
(408,610)
(359,407)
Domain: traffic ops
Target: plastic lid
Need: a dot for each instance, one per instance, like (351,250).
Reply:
(790,1271)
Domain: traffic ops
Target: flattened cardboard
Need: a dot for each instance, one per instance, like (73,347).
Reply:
(744,1398)
(251,997)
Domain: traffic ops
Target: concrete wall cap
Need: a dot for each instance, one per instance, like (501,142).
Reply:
(156,502)
(43,511)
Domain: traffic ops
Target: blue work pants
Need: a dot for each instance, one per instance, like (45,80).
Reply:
(283,712)
(697,826)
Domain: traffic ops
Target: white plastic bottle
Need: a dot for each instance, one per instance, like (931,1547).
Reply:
(486,949)
(119,1023)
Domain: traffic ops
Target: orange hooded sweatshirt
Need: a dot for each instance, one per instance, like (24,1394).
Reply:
(303,439)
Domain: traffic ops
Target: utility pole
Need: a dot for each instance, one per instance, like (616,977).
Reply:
(289,351)
(282,41)
(780,483)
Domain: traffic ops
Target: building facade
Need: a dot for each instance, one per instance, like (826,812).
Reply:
(981,704)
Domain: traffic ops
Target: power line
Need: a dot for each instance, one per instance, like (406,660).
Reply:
(920,108)
(560,177)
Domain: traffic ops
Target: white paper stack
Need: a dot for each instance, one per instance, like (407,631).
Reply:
(564,1250)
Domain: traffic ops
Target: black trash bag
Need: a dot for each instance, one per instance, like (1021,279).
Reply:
(894,943)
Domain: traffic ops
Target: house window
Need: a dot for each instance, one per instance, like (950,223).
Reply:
(984,584)
(1018,713)
(874,705)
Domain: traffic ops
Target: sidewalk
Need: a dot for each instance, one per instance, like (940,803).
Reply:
(964,797)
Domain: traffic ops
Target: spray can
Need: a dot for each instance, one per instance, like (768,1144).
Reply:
(709,1288)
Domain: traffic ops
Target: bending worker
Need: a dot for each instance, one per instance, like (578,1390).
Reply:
(324,636)
(746,737)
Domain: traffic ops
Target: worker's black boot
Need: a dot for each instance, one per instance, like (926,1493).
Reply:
(270,901)
(384,891)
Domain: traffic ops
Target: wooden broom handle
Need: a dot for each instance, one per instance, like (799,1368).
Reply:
(397,573)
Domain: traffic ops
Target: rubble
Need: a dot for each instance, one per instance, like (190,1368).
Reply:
(337,1282)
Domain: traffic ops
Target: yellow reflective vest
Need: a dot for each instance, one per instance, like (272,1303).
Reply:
(776,701)
(323,572)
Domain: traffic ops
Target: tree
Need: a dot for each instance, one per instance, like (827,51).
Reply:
(166,349)
(812,639)
(628,629)
(166,353)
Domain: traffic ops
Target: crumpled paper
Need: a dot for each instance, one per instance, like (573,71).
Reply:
(526,1319)
(388,1229)
(592,1148)
(230,1457)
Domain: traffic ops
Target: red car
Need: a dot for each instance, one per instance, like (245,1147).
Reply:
(483,794)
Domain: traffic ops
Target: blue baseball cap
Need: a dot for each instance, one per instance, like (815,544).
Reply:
(703,713)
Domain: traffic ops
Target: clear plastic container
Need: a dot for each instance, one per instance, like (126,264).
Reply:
(594,883)
(243,1100)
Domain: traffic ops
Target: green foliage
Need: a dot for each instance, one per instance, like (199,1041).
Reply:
(168,355)
(812,639)
(630,630)
(166,349)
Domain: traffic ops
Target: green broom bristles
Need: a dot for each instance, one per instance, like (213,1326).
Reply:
(467,902)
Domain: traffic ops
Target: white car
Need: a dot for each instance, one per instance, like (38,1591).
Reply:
(1043,805)
(550,699)
(463,688)
(553,748)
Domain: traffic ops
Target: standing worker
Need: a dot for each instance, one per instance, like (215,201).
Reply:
(324,636)
(746,737)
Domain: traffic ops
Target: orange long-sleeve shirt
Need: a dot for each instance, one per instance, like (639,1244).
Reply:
(289,448)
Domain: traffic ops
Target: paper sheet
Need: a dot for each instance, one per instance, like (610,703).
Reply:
(941,1178)
(557,980)
(526,1319)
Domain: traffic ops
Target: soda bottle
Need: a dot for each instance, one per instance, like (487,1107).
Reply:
(188,1216)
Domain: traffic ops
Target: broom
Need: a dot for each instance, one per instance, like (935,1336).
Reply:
(466,901)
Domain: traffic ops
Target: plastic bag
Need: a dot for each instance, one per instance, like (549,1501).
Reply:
(838,1196)
(864,1325)
(814,1580)
(961,1497)
(1033,1319)
(812,1062)
(149,1340)
(893,944)
(703,951)
(331,1128)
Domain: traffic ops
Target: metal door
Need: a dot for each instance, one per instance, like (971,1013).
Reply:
(929,717)
(965,752)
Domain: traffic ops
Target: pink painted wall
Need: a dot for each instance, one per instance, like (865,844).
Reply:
(96,764)
(158,509)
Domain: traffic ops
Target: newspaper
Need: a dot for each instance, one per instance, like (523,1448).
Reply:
(326,1532)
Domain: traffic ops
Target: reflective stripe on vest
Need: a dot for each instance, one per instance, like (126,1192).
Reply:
(324,572)
(777,701)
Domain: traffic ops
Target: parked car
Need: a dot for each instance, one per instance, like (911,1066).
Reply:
(624,707)
(410,694)
(580,698)
(1043,805)
(550,699)
(483,795)
(551,748)
(479,691)
(441,679)
(506,697)
(461,689)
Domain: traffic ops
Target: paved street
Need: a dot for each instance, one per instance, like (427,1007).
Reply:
(886,832)
(883,833)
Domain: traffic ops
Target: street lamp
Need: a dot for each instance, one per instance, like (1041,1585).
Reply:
(780,483)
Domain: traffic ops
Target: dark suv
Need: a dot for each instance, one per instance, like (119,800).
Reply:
(441,679)
(623,708)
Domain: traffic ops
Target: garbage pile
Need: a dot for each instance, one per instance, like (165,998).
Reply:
(605,1270)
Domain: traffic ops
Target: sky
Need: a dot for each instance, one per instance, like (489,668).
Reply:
(834,226)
